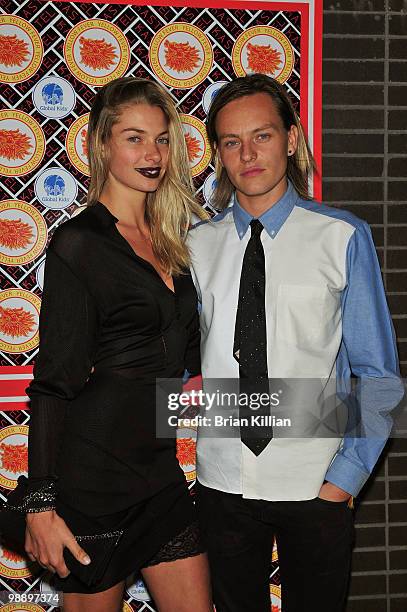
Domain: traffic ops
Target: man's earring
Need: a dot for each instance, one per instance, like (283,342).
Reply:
(290,151)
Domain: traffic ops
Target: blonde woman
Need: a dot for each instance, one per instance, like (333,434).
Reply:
(117,298)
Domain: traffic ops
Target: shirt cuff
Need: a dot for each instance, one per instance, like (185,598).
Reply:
(346,475)
(33,496)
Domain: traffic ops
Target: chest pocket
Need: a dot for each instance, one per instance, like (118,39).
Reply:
(307,315)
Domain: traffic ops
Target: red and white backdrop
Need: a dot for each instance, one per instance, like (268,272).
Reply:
(53,57)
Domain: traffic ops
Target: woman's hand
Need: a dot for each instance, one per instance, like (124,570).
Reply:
(46,536)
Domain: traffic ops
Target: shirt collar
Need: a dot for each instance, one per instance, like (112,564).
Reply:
(272,220)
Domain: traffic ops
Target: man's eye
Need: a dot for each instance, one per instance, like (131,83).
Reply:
(231,143)
(134,139)
(262,137)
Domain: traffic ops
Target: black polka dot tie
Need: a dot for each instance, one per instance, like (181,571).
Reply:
(250,344)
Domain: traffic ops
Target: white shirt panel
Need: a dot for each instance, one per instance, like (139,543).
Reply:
(305,273)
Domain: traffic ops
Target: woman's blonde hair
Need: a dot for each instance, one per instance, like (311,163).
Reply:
(169,209)
(299,165)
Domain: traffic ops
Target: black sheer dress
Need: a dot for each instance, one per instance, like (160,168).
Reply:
(93,448)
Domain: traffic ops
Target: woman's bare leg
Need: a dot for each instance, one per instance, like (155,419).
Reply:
(105,601)
(180,586)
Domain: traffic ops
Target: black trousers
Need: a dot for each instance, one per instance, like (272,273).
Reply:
(314,540)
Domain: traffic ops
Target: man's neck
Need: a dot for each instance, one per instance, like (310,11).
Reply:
(257,205)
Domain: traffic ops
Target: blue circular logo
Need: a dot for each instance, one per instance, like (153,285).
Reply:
(210,93)
(56,188)
(52,93)
(136,588)
(209,187)
(54,185)
(54,97)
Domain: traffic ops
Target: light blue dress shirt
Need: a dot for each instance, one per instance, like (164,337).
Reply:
(327,316)
(368,349)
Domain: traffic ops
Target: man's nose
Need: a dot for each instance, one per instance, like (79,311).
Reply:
(247,151)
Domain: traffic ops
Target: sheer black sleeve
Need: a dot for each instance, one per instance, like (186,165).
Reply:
(193,351)
(69,324)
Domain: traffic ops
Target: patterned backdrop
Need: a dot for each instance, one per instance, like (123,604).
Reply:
(53,56)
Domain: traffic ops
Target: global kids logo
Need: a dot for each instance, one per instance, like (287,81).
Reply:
(22,143)
(209,187)
(136,588)
(263,49)
(54,97)
(21,49)
(96,52)
(23,233)
(181,55)
(76,146)
(210,94)
(56,188)
(199,150)
(19,315)
(13,454)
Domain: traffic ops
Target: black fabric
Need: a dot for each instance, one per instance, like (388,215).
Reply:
(314,541)
(104,306)
(99,545)
(147,527)
(250,342)
(188,543)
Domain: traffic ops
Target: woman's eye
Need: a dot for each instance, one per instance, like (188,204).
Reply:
(164,140)
(134,139)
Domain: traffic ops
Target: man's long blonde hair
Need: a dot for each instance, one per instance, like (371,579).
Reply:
(299,165)
(169,209)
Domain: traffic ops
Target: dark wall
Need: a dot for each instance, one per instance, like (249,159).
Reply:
(365,171)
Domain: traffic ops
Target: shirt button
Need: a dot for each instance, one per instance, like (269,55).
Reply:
(273,233)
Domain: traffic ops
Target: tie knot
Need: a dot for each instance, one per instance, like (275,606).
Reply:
(256,227)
